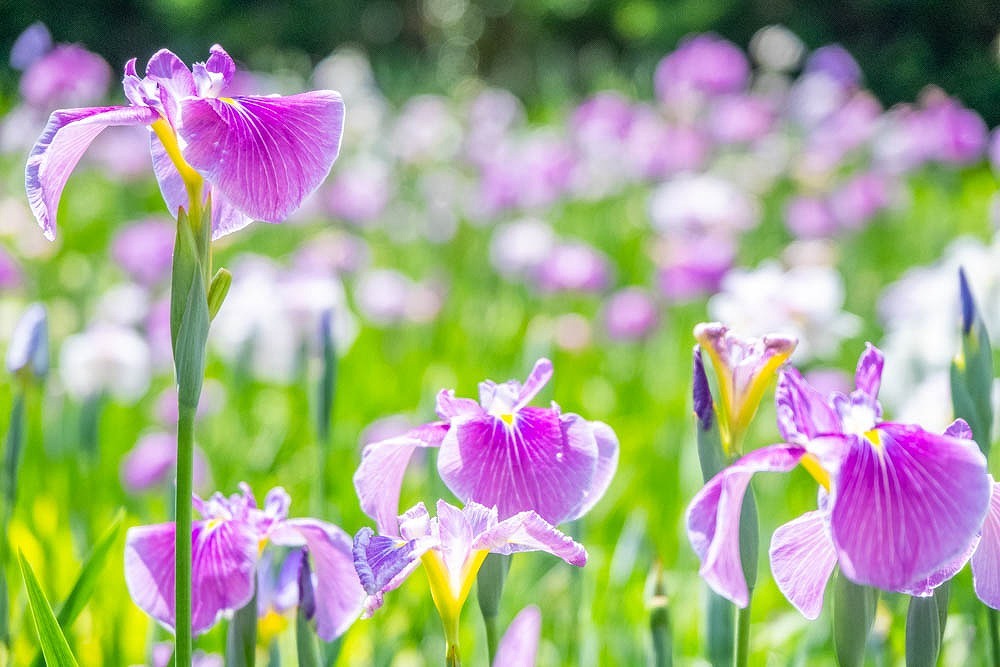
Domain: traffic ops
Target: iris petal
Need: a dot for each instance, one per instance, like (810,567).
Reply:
(337,589)
(379,479)
(607,463)
(803,412)
(531,463)
(60,147)
(907,506)
(265,154)
(868,376)
(713,518)
(382,562)
(986,560)
(519,645)
(802,560)
(527,531)
(223,560)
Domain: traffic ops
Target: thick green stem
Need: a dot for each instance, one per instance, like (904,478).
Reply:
(742,655)
(185,473)
(490,582)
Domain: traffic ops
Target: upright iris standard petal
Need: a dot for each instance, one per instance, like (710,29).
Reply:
(802,412)
(802,560)
(986,560)
(60,147)
(224,558)
(338,593)
(713,518)
(379,478)
(906,505)
(265,154)
(868,376)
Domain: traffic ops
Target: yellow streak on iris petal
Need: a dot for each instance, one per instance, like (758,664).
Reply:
(168,138)
(270,626)
(449,595)
(874,437)
(813,467)
(508,418)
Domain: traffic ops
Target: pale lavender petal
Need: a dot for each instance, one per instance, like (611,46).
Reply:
(986,560)
(907,506)
(224,558)
(379,479)
(383,563)
(803,412)
(713,518)
(959,429)
(63,142)
(338,594)
(174,79)
(458,529)
(519,645)
(169,179)
(213,76)
(226,216)
(607,462)
(450,407)
(529,464)
(802,560)
(265,154)
(537,379)
(527,531)
(868,376)
(925,586)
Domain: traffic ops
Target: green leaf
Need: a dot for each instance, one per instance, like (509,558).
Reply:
(853,615)
(305,642)
(328,381)
(749,538)
(925,622)
(659,623)
(720,630)
(53,643)
(12,456)
(192,337)
(972,373)
(90,574)
(217,291)
(241,639)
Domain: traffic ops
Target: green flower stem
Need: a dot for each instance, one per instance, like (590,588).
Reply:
(742,656)
(185,475)
(993,623)
(490,582)
(452,657)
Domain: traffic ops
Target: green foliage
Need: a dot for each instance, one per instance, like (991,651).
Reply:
(50,635)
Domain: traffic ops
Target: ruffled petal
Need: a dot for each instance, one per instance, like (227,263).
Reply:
(60,147)
(802,560)
(337,590)
(713,518)
(383,562)
(527,531)
(213,76)
(265,154)
(803,412)
(986,560)
(925,586)
(519,645)
(959,429)
(379,479)
(173,79)
(223,561)
(537,462)
(607,464)
(450,407)
(907,506)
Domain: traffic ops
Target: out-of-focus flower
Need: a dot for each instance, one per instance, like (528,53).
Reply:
(649,133)
(744,367)
(28,352)
(386,297)
(451,547)
(574,267)
(228,543)
(899,509)
(702,204)
(776,48)
(106,358)
(426,131)
(701,65)
(337,252)
(10,272)
(804,301)
(67,75)
(152,461)
(519,248)
(260,155)
(499,451)
(834,62)
(740,119)
(860,199)
(209,403)
(691,266)
(125,304)
(519,645)
(630,314)
(145,250)
(810,217)
(956,135)
(361,191)
(30,45)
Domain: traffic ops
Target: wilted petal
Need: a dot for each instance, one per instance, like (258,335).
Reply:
(529,464)
(607,463)
(379,479)
(60,147)
(802,560)
(527,531)
(337,590)
(519,645)
(265,154)
(803,412)
(986,560)
(713,518)
(906,506)
(223,560)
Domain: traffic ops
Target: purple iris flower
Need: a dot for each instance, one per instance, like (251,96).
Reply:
(899,508)
(228,546)
(261,155)
(145,250)
(452,547)
(499,452)
(986,559)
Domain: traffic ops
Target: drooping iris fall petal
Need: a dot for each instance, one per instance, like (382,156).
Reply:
(802,560)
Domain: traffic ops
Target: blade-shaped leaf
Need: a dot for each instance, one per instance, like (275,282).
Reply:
(241,640)
(853,615)
(53,643)
(305,642)
(925,620)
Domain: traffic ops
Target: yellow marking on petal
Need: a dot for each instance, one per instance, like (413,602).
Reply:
(874,437)
(270,625)
(227,100)
(213,524)
(449,594)
(813,467)
(168,138)
(507,418)
(260,546)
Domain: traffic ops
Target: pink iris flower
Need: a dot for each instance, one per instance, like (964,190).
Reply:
(260,155)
